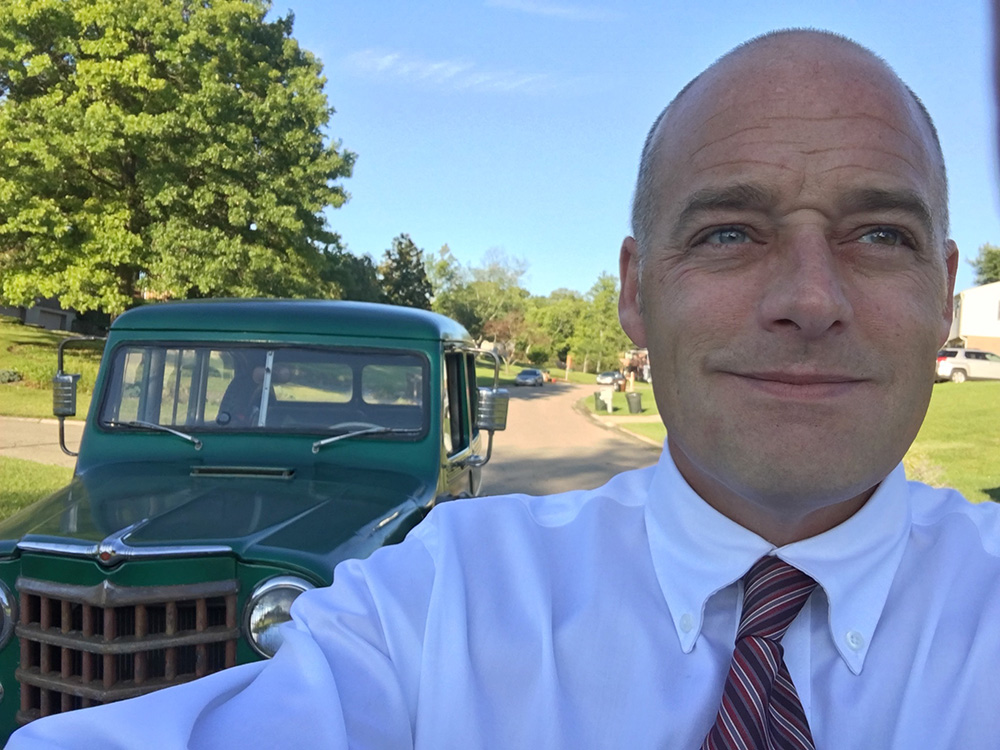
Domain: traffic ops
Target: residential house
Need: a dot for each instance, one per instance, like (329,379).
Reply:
(976,324)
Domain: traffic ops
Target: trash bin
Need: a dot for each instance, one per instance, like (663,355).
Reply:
(602,400)
(634,402)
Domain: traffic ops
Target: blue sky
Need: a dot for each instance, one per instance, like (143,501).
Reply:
(517,124)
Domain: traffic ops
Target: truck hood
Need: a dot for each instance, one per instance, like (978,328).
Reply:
(266,515)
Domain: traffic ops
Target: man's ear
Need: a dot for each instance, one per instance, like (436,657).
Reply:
(629,299)
(951,265)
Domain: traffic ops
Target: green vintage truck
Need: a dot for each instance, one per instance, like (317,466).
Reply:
(234,453)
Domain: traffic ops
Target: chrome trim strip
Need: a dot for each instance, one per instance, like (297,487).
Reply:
(115,549)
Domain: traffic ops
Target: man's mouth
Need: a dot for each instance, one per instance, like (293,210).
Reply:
(800,384)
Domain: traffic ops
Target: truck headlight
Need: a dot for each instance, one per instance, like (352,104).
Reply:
(269,606)
(8,614)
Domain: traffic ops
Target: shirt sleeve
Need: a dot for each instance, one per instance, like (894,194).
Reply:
(338,680)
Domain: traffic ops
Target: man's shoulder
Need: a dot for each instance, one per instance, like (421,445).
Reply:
(942,510)
(627,490)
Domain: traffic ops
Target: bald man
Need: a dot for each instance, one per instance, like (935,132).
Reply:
(774,581)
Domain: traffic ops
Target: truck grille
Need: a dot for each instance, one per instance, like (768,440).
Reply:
(87,645)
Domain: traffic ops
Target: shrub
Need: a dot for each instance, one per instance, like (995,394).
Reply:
(9,376)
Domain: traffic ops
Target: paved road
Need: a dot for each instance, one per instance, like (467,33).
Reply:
(550,447)
(547,447)
(38,440)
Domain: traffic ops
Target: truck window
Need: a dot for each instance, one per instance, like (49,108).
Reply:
(266,387)
(457,422)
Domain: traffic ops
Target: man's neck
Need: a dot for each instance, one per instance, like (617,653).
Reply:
(779,523)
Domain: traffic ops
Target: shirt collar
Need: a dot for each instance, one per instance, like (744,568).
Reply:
(697,552)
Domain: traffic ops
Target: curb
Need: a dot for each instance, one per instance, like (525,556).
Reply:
(44,420)
(579,407)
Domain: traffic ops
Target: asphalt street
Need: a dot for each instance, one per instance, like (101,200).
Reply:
(38,440)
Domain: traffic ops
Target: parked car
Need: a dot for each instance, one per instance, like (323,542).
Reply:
(959,365)
(610,378)
(530,377)
(235,452)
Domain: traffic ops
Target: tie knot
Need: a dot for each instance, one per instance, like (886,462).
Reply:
(773,594)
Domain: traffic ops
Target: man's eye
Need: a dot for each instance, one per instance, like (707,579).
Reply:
(884,236)
(727,236)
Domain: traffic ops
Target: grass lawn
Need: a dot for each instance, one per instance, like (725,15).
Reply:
(959,443)
(652,430)
(24,482)
(31,352)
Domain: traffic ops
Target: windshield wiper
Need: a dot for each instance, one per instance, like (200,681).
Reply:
(159,428)
(355,429)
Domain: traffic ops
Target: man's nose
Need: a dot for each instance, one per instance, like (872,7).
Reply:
(806,293)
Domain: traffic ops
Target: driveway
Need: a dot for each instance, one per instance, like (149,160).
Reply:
(549,447)
(38,440)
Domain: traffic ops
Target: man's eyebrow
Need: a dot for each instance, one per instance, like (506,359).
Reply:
(741,196)
(874,200)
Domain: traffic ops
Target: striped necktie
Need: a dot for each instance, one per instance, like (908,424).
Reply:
(760,709)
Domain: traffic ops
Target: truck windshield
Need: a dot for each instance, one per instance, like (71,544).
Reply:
(212,387)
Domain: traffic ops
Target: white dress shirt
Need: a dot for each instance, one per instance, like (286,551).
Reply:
(606,619)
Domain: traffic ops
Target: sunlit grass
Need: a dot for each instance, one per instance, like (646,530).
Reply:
(959,443)
(23,482)
(32,352)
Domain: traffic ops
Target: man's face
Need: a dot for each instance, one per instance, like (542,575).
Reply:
(796,287)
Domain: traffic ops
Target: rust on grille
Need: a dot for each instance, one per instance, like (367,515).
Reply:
(87,645)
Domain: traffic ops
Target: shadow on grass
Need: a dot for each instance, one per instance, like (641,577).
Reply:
(993,494)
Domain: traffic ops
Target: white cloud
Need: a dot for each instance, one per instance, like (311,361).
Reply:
(555,10)
(456,75)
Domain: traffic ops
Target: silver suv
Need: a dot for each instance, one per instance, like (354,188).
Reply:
(959,365)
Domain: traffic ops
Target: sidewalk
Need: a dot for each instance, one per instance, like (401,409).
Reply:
(38,440)
(618,421)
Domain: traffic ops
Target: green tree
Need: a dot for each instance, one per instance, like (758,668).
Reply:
(444,273)
(172,147)
(487,299)
(558,315)
(352,277)
(987,264)
(403,276)
(598,339)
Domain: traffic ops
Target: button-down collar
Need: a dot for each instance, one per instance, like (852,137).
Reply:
(697,552)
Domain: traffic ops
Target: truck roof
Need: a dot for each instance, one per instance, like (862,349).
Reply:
(283,316)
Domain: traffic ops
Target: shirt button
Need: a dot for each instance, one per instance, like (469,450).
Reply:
(687,622)
(855,641)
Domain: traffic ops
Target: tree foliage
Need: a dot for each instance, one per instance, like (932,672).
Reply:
(558,316)
(403,276)
(598,339)
(349,276)
(490,301)
(987,264)
(487,299)
(172,147)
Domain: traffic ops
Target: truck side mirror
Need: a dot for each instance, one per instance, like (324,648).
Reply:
(492,412)
(64,391)
(64,395)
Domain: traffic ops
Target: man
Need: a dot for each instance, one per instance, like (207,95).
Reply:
(791,278)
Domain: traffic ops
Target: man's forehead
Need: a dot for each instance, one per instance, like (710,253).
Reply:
(812,85)
(813,90)
(803,72)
